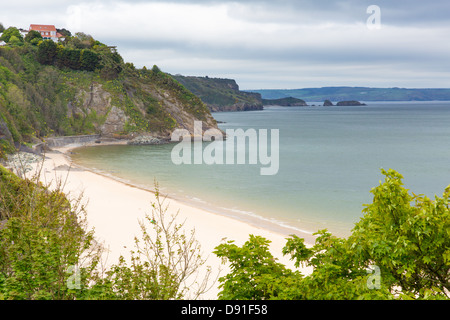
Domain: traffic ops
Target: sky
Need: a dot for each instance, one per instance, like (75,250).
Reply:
(270,44)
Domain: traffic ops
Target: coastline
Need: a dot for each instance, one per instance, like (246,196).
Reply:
(114,209)
(251,218)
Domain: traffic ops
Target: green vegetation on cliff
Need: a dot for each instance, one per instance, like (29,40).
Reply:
(221,94)
(82,86)
(287,102)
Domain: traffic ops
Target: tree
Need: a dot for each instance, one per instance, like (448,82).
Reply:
(66,33)
(2,28)
(33,35)
(166,263)
(81,41)
(68,58)
(14,41)
(46,250)
(47,51)
(408,237)
(155,69)
(89,60)
(399,249)
(8,33)
(254,272)
(111,63)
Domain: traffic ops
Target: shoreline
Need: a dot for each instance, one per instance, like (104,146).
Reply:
(114,209)
(248,218)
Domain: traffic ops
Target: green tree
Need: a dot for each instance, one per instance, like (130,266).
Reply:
(2,28)
(155,69)
(47,51)
(33,35)
(82,41)
(165,264)
(14,41)
(89,60)
(408,237)
(254,272)
(46,250)
(11,31)
(68,58)
(111,62)
(66,33)
(399,249)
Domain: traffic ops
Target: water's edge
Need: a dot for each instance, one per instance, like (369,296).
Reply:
(245,217)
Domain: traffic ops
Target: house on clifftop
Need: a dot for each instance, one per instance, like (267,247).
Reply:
(47,31)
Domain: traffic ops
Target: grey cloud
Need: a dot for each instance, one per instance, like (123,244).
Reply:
(256,60)
(398,12)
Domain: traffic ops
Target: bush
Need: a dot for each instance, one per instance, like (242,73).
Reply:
(47,51)
(42,240)
(399,249)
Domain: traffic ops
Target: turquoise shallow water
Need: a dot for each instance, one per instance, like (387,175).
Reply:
(330,158)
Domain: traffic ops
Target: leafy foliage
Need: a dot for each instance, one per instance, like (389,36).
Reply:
(33,37)
(11,32)
(43,236)
(254,272)
(48,253)
(165,264)
(221,94)
(41,90)
(47,51)
(399,249)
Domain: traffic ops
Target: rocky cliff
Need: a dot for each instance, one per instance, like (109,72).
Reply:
(39,101)
(286,102)
(221,94)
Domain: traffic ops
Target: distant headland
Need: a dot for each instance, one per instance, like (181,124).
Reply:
(357,93)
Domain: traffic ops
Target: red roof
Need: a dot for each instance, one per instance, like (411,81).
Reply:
(42,27)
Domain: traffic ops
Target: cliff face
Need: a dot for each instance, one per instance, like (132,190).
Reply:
(221,94)
(39,101)
(143,107)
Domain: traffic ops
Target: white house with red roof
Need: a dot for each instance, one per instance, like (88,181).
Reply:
(47,31)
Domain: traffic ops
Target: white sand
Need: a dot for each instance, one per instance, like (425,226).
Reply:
(114,209)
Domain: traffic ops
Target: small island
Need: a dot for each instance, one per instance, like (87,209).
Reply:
(328,103)
(350,103)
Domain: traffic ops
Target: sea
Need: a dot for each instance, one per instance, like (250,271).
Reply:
(329,160)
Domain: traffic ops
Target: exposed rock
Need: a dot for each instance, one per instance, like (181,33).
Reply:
(350,103)
(221,94)
(20,162)
(5,134)
(236,107)
(285,102)
(115,121)
(328,103)
(146,140)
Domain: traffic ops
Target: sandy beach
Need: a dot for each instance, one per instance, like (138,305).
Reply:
(114,210)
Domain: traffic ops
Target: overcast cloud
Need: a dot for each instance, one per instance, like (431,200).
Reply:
(265,44)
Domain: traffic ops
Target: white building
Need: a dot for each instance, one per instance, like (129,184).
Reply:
(47,31)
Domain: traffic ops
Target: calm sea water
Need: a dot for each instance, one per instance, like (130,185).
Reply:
(330,158)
